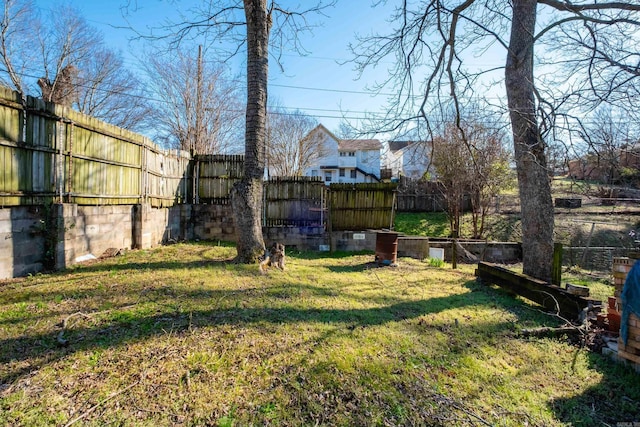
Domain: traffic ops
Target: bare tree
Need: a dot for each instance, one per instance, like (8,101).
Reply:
(66,59)
(451,162)
(17,55)
(268,24)
(199,107)
(290,148)
(489,168)
(106,89)
(471,160)
(431,42)
(606,133)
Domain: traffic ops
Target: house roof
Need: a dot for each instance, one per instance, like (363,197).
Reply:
(398,145)
(349,144)
(395,146)
(359,144)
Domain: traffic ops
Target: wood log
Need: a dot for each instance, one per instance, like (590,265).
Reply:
(551,297)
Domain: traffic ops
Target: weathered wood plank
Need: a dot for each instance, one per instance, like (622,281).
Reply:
(552,297)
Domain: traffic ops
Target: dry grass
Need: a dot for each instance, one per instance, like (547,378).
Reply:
(181,336)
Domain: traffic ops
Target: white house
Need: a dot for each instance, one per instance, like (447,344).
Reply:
(345,160)
(410,158)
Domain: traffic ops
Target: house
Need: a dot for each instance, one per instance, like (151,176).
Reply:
(411,159)
(610,166)
(344,160)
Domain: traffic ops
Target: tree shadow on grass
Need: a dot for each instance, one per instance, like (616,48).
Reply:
(353,268)
(615,400)
(126,326)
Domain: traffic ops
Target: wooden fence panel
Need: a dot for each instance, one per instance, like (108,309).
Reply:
(295,201)
(11,116)
(362,206)
(216,175)
(104,167)
(421,202)
(28,167)
(169,177)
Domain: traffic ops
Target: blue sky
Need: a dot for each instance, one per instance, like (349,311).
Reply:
(315,83)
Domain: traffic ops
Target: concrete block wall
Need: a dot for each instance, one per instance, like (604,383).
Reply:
(597,258)
(212,222)
(22,241)
(352,241)
(413,247)
(301,238)
(26,245)
(499,252)
(91,230)
(155,226)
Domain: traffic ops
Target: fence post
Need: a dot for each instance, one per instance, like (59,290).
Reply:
(556,270)
(454,250)
(329,219)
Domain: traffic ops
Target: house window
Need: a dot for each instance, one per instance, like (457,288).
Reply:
(353,173)
(342,154)
(352,153)
(341,172)
(327,176)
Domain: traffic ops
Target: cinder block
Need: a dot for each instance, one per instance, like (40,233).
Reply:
(92,230)
(146,241)
(6,226)
(20,269)
(69,210)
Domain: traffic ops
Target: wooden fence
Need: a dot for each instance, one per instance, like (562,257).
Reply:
(295,201)
(362,206)
(49,153)
(27,149)
(414,195)
(216,175)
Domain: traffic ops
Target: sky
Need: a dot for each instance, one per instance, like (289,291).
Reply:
(319,83)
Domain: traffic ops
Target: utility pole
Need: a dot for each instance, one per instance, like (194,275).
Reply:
(198,137)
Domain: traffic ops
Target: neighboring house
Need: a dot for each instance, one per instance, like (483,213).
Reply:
(609,169)
(345,160)
(411,159)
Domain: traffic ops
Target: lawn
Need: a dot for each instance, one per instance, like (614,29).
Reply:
(179,335)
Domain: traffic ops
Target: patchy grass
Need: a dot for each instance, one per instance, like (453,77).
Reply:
(432,224)
(600,283)
(181,336)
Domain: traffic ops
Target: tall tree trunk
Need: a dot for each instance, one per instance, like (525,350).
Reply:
(533,179)
(246,196)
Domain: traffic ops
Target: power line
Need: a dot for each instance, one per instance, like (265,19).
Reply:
(293,110)
(349,114)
